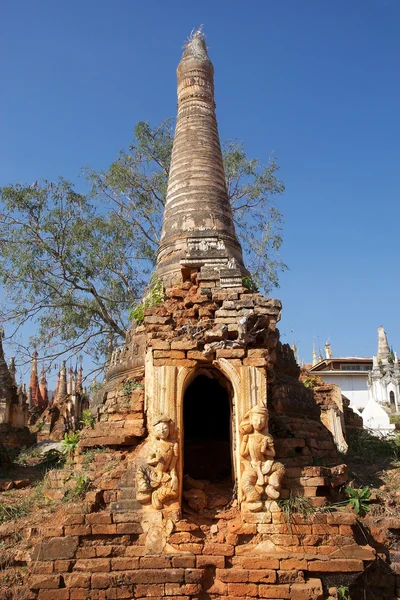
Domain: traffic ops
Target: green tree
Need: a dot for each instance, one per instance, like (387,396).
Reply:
(75,264)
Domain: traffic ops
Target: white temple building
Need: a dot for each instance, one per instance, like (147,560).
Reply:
(371,384)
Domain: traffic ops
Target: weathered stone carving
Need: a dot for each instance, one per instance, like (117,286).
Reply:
(261,475)
(156,478)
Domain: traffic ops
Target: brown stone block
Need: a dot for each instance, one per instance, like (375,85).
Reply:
(179,590)
(199,356)
(77,580)
(157,344)
(56,547)
(174,363)
(196,299)
(183,561)
(345,530)
(342,518)
(42,567)
(50,532)
(136,550)
(210,561)
(194,575)
(62,566)
(86,552)
(184,345)
(74,519)
(124,592)
(218,549)
(193,548)
(101,529)
(62,594)
(149,591)
(293,563)
(155,576)
(255,562)
(155,562)
(99,517)
(231,538)
(255,362)
(122,563)
(335,566)
(290,576)
(183,537)
(313,540)
(312,481)
(325,529)
(327,550)
(129,528)
(95,565)
(231,353)
(285,540)
(104,551)
(261,517)
(169,354)
(233,575)
(101,580)
(78,530)
(242,589)
(311,590)
(126,517)
(79,594)
(157,320)
(274,591)
(37,582)
(275,528)
(262,576)
(354,551)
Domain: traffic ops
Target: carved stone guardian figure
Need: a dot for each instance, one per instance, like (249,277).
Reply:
(156,477)
(261,475)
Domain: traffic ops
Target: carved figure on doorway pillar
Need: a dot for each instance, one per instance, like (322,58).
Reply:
(261,475)
(156,478)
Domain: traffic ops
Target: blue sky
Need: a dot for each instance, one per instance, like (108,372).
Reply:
(313,82)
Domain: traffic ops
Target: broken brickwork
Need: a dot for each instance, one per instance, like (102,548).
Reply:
(213,432)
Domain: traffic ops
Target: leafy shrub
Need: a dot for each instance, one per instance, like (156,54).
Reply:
(80,487)
(154,296)
(131,385)
(358,499)
(88,419)
(310,382)
(249,284)
(70,443)
(343,592)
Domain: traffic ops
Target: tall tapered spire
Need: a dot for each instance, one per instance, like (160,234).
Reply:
(37,400)
(198,230)
(383,346)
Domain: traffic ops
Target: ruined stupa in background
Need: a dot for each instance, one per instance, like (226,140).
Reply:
(204,404)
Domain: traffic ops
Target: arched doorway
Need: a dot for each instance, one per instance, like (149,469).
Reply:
(392,402)
(207,429)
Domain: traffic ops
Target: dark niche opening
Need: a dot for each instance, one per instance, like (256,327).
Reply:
(207,430)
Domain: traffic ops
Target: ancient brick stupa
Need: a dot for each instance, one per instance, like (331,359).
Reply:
(205,405)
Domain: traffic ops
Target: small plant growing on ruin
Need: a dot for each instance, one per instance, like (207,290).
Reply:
(153,297)
(70,443)
(358,499)
(249,284)
(88,419)
(131,385)
(343,592)
(81,486)
(87,459)
(296,505)
(310,383)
